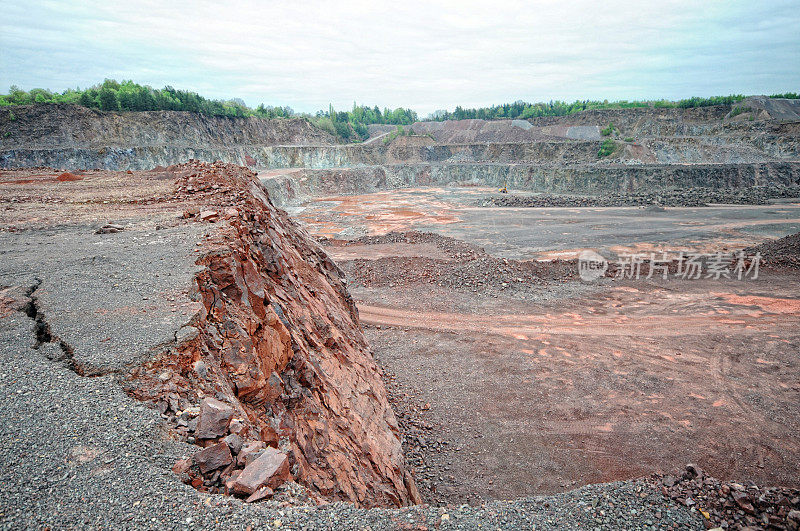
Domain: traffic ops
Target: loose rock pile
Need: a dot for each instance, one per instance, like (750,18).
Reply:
(468,267)
(234,461)
(729,505)
(687,197)
(780,253)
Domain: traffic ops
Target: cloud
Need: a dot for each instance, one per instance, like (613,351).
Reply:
(424,55)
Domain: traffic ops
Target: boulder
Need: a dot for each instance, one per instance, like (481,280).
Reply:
(214,419)
(270,469)
(213,457)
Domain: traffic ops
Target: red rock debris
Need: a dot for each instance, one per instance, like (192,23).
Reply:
(67,176)
(730,505)
(279,360)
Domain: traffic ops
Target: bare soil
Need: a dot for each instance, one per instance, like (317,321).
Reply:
(513,378)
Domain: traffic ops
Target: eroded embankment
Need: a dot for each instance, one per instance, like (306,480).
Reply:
(73,137)
(273,377)
(298,185)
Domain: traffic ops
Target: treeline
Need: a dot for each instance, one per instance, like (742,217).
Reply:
(129,96)
(524,110)
(349,125)
(352,125)
(787,95)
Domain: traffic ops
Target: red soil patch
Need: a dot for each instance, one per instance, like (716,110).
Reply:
(67,176)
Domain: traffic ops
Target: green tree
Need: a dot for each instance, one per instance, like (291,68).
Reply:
(107,98)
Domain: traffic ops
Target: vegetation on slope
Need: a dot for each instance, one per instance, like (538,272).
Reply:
(129,96)
(524,110)
(607,148)
(349,125)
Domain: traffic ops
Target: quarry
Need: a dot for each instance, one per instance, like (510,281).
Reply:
(246,322)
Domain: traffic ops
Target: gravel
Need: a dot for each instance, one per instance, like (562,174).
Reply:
(681,197)
(780,253)
(78,452)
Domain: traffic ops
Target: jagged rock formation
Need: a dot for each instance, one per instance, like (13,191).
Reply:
(278,340)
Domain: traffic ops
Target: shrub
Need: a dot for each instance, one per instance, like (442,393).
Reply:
(628,139)
(608,130)
(607,148)
(326,124)
(736,111)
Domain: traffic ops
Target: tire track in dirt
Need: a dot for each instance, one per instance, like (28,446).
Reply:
(525,326)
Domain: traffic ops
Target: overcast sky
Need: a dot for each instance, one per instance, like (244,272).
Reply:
(425,55)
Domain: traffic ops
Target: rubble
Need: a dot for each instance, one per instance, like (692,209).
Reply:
(279,360)
(466,267)
(730,505)
(214,419)
(780,253)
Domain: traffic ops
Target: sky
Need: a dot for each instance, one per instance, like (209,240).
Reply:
(424,55)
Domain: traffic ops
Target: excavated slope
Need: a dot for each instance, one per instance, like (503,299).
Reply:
(279,338)
(75,137)
(759,144)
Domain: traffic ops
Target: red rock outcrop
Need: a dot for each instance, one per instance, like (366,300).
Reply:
(276,338)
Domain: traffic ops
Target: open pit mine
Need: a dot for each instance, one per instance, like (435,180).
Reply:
(244,323)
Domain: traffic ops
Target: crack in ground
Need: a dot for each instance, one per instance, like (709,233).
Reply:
(44,334)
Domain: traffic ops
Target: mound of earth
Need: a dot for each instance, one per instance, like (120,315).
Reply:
(780,253)
(460,266)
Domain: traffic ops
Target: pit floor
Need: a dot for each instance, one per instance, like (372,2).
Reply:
(502,396)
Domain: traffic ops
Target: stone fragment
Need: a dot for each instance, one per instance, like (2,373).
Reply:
(270,469)
(213,457)
(743,501)
(234,442)
(182,466)
(270,436)
(214,419)
(693,471)
(260,494)
(236,426)
(249,452)
(109,228)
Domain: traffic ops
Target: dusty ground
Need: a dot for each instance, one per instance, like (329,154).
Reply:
(524,233)
(76,307)
(508,389)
